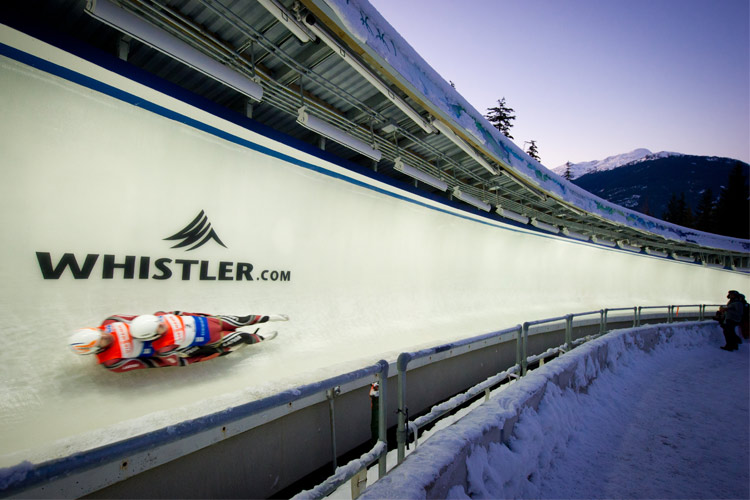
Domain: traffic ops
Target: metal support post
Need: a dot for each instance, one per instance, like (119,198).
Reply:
(670,311)
(601,322)
(568,332)
(635,316)
(702,312)
(604,321)
(639,315)
(383,418)
(524,348)
(331,395)
(401,435)
(519,341)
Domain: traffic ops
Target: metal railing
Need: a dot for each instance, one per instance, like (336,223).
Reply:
(161,446)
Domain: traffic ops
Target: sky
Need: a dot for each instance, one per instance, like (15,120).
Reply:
(590,79)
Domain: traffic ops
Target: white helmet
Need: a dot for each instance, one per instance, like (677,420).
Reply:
(144,327)
(86,341)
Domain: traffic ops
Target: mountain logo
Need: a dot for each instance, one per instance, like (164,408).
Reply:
(197,234)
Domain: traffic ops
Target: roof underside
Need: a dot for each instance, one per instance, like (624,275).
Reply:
(246,36)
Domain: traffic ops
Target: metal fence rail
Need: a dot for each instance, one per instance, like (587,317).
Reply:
(158,447)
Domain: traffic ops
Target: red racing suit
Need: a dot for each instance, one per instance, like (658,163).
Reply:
(189,338)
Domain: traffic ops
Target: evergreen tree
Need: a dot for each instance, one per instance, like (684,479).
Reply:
(678,211)
(501,117)
(567,170)
(533,151)
(733,207)
(704,213)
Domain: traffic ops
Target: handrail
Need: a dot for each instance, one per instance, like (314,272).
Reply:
(406,427)
(163,445)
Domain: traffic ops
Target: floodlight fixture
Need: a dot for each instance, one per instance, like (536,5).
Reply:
(624,245)
(576,236)
(604,241)
(368,75)
(336,134)
(683,258)
(509,214)
(277,10)
(656,253)
(447,132)
(471,200)
(419,175)
(544,226)
(160,40)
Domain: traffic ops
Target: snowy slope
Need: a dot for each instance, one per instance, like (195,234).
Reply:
(684,437)
(611,162)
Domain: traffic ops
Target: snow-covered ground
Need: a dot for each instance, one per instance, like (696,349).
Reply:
(670,423)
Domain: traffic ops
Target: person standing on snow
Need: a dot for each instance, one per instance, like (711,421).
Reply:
(125,343)
(732,319)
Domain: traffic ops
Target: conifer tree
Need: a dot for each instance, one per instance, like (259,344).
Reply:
(567,173)
(501,117)
(704,213)
(733,207)
(533,151)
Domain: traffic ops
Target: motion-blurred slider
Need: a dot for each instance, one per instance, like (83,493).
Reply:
(509,214)
(335,134)
(124,21)
(419,175)
(574,235)
(471,200)
(544,226)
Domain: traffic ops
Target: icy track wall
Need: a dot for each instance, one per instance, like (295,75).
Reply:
(440,464)
(98,172)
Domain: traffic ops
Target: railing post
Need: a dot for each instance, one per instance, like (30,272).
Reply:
(669,313)
(640,308)
(401,433)
(702,312)
(519,342)
(601,321)
(331,394)
(524,347)
(383,417)
(568,332)
(604,321)
(635,314)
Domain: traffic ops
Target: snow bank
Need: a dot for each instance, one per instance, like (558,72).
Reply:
(445,466)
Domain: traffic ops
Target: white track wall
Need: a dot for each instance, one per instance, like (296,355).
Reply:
(368,270)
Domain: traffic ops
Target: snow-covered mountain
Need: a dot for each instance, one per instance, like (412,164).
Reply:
(579,169)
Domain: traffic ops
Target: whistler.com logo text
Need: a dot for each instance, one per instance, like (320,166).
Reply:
(196,234)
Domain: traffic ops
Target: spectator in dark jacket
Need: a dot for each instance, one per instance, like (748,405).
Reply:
(732,319)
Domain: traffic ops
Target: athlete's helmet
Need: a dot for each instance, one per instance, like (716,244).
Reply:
(86,341)
(144,327)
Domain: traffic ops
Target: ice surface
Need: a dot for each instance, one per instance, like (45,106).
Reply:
(374,271)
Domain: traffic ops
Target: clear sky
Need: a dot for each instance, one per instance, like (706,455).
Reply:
(594,78)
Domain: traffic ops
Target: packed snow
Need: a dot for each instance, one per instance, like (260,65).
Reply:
(669,423)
